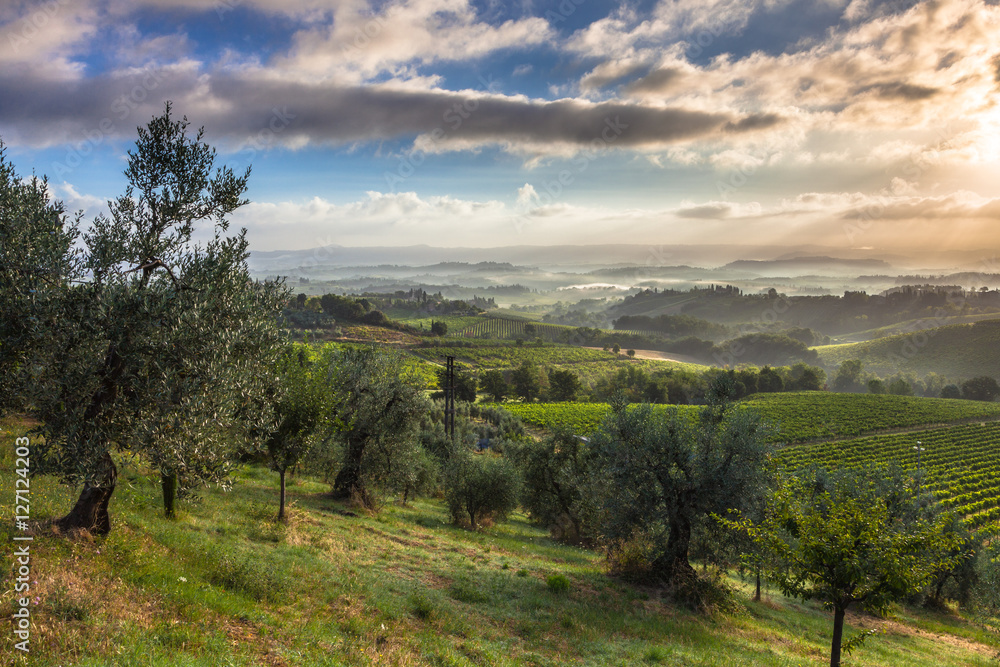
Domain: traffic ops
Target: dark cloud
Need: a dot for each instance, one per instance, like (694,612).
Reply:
(706,212)
(239,108)
(929,208)
(658,81)
(898,90)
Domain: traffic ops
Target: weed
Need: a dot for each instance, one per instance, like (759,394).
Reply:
(66,607)
(421,606)
(242,572)
(655,655)
(468,591)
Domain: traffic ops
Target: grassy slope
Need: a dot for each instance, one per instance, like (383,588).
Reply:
(955,351)
(224,585)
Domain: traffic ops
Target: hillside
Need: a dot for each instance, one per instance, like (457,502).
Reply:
(225,585)
(956,351)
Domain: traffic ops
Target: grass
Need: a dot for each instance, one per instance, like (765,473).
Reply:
(225,585)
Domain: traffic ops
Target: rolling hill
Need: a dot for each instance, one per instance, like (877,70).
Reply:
(957,351)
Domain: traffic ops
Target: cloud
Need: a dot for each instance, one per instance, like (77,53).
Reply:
(359,44)
(237,107)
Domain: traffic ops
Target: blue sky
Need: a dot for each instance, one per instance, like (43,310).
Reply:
(841,123)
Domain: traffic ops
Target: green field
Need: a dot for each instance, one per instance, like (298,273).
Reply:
(800,416)
(225,585)
(961,465)
(957,351)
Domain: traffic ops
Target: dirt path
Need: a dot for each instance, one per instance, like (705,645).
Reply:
(893,627)
(656,355)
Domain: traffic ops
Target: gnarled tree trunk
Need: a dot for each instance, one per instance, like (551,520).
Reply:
(90,512)
(348,482)
(673,566)
(168,482)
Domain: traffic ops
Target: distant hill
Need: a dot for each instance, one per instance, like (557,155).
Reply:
(807,266)
(955,351)
(580,256)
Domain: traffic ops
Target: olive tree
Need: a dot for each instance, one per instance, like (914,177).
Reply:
(852,539)
(298,395)
(158,341)
(661,474)
(37,257)
(375,409)
(556,490)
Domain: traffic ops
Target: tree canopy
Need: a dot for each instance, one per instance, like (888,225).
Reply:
(153,343)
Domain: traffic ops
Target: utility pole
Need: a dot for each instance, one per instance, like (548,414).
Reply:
(449,398)
(919,450)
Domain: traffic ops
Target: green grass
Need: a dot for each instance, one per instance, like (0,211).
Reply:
(225,585)
(957,351)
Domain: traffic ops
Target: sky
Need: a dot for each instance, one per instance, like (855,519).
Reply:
(850,124)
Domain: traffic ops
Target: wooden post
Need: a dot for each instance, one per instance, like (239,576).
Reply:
(449,398)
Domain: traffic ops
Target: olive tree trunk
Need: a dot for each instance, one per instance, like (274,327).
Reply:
(90,512)
(168,481)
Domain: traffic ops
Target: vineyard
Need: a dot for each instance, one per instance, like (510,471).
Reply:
(484,357)
(800,416)
(511,327)
(813,415)
(960,465)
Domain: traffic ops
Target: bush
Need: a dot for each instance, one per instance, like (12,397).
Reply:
(951,391)
(982,388)
(481,487)
(558,583)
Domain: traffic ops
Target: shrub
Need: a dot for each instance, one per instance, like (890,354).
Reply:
(951,391)
(480,487)
(558,583)
(421,607)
